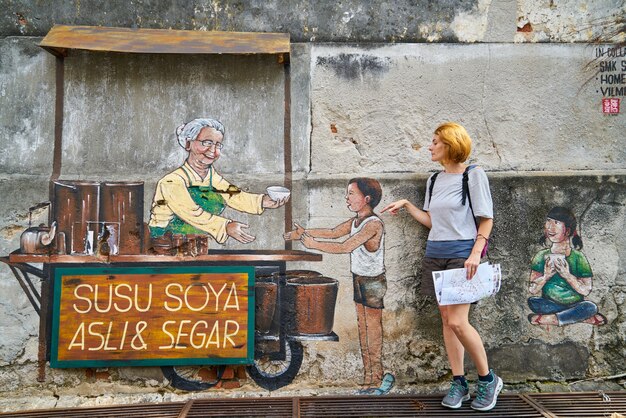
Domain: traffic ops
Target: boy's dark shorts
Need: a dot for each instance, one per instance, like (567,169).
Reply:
(435,264)
(370,290)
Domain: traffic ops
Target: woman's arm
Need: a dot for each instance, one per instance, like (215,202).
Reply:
(369,230)
(419,215)
(241,201)
(485,225)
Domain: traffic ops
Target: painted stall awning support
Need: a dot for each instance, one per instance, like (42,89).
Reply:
(62,38)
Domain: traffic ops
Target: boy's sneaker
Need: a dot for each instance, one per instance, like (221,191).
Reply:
(456,395)
(487,394)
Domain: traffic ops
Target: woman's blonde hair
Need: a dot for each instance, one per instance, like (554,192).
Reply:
(457,139)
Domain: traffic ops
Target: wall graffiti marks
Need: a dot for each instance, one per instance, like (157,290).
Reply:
(561,276)
(611,76)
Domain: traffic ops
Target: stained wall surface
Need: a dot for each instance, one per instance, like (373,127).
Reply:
(369,83)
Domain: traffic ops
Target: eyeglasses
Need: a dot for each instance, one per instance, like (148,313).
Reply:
(209,144)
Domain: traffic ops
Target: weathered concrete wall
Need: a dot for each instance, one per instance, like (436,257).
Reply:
(383,104)
(534,111)
(521,351)
(347,21)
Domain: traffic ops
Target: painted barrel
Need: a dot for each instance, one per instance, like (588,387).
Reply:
(76,207)
(266,296)
(298,273)
(121,211)
(311,305)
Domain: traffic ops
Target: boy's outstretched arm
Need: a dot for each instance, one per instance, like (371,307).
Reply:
(336,232)
(369,231)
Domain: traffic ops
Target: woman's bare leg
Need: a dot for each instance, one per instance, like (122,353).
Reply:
(454,348)
(460,336)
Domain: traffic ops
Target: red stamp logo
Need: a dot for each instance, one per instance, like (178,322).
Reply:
(610,105)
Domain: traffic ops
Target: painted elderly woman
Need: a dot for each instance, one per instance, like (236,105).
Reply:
(190,199)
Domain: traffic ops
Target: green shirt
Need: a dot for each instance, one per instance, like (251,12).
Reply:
(557,288)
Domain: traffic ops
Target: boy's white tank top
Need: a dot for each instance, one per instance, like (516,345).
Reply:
(364,262)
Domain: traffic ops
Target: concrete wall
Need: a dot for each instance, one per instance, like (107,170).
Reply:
(347,21)
(519,75)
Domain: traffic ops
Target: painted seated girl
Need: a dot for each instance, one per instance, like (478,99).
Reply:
(562,276)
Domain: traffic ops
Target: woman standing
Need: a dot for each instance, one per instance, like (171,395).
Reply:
(456,240)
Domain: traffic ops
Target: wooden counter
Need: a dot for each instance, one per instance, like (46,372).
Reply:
(213,256)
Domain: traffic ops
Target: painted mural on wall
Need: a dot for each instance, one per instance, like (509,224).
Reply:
(189,201)
(365,243)
(561,278)
(190,319)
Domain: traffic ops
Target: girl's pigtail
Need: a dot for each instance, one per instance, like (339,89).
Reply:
(577,241)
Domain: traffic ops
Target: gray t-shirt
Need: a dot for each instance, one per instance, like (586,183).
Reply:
(451,220)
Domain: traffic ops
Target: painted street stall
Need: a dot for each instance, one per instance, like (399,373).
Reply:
(118,291)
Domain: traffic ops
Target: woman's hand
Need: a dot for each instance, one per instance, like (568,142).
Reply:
(296,234)
(394,207)
(237,231)
(471,265)
(268,203)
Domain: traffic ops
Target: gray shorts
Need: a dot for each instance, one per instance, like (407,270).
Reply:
(369,291)
(435,264)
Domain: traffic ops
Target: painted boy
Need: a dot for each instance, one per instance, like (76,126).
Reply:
(365,242)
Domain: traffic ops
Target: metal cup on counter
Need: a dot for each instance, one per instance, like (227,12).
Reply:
(188,245)
(189,248)
(195,245)
(202,243)
(162,245)
(178,244)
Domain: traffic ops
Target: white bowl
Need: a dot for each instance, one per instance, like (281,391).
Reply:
(278,192)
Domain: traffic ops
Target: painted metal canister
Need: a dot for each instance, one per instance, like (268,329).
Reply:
(163,245)
(75,208)
(121,210)
(311,305)
(298,273)
(266,296)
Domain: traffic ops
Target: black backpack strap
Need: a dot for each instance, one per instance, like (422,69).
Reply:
(469,199)
(465,189)
(432,184)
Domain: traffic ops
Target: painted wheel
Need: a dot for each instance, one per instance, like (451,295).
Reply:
(191,378)
(274,374)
